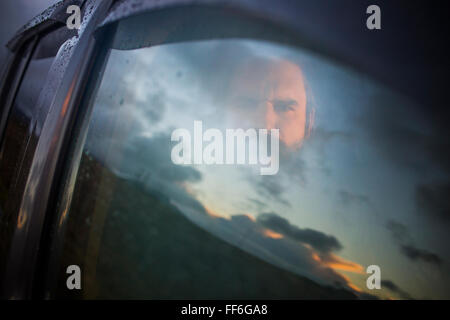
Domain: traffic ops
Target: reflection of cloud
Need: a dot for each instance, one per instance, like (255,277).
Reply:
(154,106)
(259,205)
(320,139)
(388,284)
(149,158)
(212,63)
(349,198)
(402,237)
(270,187)
(279,249)
(435,200)
(269,237)
(321,245)
(325,136)
(337,263)
(354,287)
(398,231)
(416,254)
(271,234)
(294,167)
(318,240)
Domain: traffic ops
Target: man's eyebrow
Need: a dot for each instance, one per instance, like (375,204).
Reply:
(284,102)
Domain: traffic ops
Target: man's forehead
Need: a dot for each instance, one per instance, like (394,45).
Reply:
(260,78)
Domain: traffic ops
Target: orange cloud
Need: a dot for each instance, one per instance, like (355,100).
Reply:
(337,263)
(272,234)
(350,284)
(250,217)
(212,213)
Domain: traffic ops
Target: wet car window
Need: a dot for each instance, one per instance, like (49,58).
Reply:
(325,177)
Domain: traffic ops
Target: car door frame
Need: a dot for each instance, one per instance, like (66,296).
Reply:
(62,93)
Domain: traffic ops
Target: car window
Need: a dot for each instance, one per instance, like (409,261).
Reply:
(248,169)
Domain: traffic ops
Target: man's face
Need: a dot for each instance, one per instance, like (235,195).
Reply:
(271,95)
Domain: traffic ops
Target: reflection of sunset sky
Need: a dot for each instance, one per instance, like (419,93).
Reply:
(339,183)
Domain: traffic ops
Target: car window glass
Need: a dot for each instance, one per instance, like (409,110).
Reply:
(159,211)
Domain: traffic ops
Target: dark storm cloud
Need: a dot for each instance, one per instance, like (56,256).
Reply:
(318,240)
(147,161)
(349,198)
(391,286)
(402,237)
(416,254)
(398,231)
(434,199)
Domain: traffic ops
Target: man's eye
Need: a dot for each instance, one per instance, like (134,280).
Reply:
(283,105)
